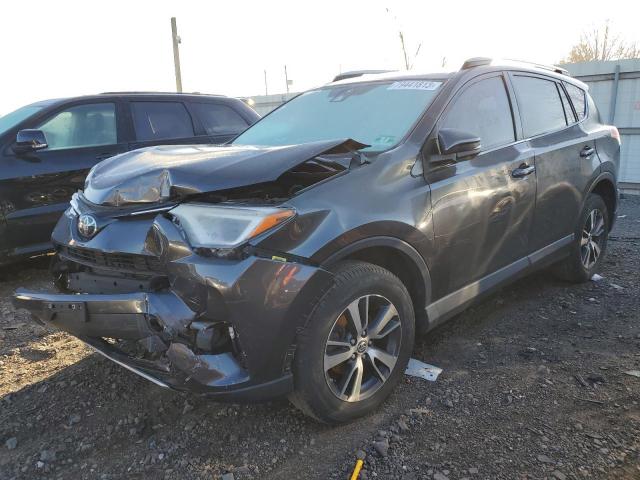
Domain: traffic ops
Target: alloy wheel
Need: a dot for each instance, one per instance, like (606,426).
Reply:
(362,348)
(592,237)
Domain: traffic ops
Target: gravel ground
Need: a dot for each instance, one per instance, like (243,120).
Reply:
(534,386)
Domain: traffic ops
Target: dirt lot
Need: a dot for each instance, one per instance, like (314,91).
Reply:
(534,386)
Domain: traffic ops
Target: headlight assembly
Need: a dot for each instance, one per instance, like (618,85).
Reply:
(213,226)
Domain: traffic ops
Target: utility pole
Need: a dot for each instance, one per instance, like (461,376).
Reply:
(286,78)
(176,54)
(266,89)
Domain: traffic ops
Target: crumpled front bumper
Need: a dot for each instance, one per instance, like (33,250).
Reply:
(261,300)
(127,316)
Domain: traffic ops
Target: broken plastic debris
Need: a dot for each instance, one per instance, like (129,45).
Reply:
(596,277)
(616,286)
(622,216)
(416,368)
(633,373)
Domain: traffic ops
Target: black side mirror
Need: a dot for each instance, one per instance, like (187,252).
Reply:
(459,143)
(29,140)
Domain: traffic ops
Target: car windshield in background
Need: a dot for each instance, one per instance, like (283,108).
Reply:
(10,120)
(377,114)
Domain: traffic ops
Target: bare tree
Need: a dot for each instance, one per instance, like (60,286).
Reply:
(601,43)
(408,59)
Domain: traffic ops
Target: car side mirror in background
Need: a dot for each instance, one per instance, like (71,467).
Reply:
(457,143)
(29,140)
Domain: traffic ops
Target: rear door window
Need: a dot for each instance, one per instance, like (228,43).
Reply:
(540,105)
(88,125)
(577,97)
(483,109)
(161,120)
(218,119)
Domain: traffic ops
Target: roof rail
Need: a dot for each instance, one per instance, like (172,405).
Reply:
(552,68)
(158,93)
(136,92)
(481,61)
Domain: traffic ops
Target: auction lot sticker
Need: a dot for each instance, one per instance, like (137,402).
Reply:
(414,85)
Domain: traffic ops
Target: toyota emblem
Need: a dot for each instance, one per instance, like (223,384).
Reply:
(87,226)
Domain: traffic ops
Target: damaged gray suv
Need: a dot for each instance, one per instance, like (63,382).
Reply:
(302,258)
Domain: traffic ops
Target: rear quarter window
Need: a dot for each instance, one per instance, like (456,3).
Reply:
(578,99)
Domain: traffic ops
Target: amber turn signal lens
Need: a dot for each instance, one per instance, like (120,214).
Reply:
(271,221)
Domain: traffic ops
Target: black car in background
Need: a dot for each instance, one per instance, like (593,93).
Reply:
(47,148)
(302,257)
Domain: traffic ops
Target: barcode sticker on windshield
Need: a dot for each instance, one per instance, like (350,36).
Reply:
(414,85)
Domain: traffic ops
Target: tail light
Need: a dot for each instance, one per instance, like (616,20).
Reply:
(615,134)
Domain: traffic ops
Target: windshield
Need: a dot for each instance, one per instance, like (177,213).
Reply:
(10,120)
(377,114)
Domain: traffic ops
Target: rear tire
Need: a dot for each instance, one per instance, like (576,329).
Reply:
(589,246)
(355,346)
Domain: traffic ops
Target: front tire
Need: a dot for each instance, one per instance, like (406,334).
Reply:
(356,344)
(590,243)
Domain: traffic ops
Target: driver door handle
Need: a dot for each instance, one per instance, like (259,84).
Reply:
(523,170)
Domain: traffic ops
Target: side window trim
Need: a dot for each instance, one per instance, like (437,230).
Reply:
(467,85)
(121,126)
(198,127)
(563,98)
(515,109)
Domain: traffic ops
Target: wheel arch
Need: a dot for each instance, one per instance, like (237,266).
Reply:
(605,186)
(401,259)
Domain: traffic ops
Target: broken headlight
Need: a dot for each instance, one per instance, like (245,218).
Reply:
(212,226)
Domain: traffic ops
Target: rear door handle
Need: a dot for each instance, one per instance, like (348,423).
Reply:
(523,170)
(586,152)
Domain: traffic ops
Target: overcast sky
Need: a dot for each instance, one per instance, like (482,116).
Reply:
(62,48)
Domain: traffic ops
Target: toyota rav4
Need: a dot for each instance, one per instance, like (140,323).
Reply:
(301,258)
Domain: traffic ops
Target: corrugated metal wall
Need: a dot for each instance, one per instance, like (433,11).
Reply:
(615,87)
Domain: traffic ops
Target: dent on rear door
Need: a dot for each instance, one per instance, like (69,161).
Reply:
(563,177)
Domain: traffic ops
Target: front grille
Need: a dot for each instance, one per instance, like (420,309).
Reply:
(122,262)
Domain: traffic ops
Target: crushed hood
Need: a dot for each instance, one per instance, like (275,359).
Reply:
(162,173)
